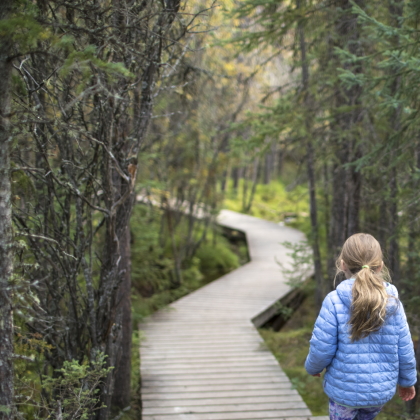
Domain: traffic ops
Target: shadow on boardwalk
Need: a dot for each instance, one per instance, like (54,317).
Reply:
(203,359)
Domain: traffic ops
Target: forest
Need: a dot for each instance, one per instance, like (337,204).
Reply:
(122,120)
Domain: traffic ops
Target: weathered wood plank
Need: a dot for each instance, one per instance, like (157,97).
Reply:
(187,375)
(210,388)
(241,415)
(209,371)
(226,408)
(238,380)
(206,402)
(216,365)
(220,394)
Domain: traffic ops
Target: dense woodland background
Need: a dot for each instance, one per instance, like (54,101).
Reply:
(123,119)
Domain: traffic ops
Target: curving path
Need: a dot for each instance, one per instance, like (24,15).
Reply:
(203,359)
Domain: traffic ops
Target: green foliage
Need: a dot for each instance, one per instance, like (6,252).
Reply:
(283,310)
(23,29)
(71,393)
(216,259)
(76,388)
(274,201)
(301,265)
(151,264)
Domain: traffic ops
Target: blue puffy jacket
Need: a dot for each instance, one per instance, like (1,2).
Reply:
(362,373)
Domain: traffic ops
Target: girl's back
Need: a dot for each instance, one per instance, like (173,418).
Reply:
(361,335)
(365,372)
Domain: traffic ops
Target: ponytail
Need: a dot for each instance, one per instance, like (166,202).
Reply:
(362,256)
(369,304)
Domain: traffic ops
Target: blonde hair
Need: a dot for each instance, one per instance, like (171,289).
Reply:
(362,255)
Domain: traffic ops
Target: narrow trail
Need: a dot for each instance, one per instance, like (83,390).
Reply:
(203,359)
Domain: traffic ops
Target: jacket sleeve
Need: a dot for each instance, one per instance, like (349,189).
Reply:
(407,375)
(323,344)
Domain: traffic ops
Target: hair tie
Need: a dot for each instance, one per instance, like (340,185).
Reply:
(365,266)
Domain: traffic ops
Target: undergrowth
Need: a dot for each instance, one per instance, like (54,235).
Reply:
(273,201)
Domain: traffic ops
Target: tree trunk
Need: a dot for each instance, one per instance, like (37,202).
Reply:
(268,165)
(235,177)
(121,395)
(255,174)
(396,12)
(224,180)
(346,182)
(319,293)
(394,250)
(413,231)
(354,192)
(6,240)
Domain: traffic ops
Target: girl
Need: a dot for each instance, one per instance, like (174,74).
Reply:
(362,338)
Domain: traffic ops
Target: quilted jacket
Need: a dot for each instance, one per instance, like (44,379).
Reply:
(362,373)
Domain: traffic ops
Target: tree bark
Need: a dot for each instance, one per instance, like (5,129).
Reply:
(122,380)
(396,11)
(347,182)
(255,174)
(6,240)
(235,177)
(268,165)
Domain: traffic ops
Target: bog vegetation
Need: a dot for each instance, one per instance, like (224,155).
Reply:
(127,125)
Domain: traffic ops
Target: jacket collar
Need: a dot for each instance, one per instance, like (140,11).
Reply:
(345,294)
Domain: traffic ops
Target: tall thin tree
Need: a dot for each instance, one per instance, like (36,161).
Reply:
(6,261)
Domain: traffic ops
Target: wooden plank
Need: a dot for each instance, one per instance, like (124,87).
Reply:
(211,388)
(219,394)
(149,382)
(204,371)
(189,347)
(196,344)
(222,400)
(225,408)
(186,375)
(259,361)
(220,352)
(299,414)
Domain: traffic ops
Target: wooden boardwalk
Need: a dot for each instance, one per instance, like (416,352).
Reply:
(203,359)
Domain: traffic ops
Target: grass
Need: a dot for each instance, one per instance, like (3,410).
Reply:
(290,346)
